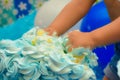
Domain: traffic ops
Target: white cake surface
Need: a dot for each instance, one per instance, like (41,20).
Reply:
(38,56)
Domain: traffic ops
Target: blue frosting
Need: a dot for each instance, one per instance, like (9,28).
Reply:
(38,56)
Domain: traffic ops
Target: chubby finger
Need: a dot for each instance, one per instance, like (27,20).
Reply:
(69,45)
(70,48)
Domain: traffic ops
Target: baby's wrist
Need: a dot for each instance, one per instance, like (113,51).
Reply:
(51,30)
(94,40)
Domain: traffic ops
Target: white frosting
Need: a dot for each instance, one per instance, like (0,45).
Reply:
(39,56)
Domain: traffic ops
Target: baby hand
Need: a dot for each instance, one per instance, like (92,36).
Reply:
(80,39)
(51,31)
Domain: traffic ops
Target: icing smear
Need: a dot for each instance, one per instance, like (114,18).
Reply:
(38,56)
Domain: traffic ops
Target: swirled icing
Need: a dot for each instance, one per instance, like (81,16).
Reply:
(38,56)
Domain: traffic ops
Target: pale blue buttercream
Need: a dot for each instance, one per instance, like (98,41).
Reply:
(44,57)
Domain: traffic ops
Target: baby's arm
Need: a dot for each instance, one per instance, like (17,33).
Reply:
(70,15)
(107,34)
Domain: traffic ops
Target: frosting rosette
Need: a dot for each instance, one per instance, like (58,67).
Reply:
(38,56)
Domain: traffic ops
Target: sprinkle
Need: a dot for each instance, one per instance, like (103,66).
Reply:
(34,41)
(40,32)
(79,58)
(49,40)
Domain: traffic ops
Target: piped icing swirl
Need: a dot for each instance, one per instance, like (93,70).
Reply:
(38,56)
